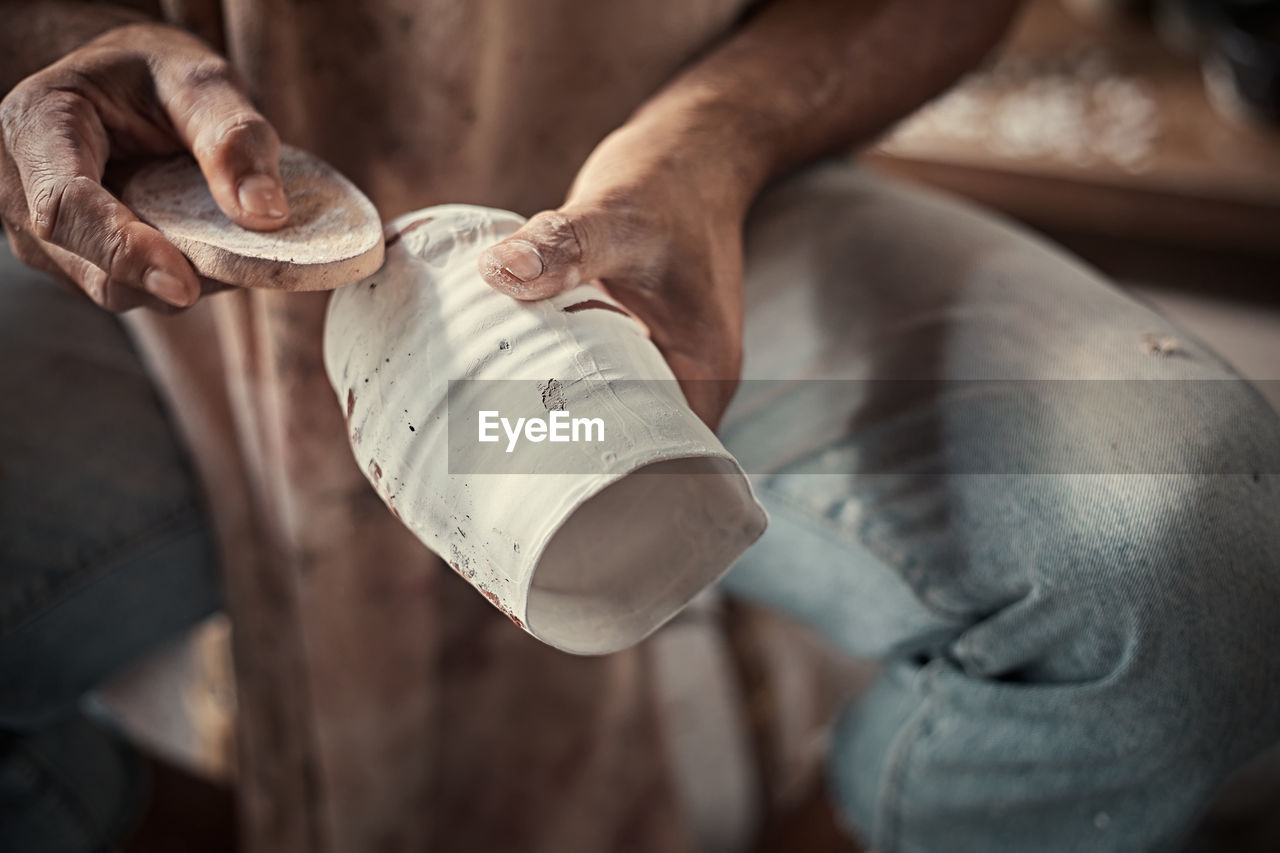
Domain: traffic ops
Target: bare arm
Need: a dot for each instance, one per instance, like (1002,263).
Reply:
(656,212)
(804,78)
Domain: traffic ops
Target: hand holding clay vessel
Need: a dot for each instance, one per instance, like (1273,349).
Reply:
(590,541)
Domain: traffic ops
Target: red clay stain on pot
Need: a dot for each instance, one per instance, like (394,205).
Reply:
(351,404)
(493,599)
(598,304)
(375,471)
(417,223)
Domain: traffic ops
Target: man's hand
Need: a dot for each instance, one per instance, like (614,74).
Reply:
(655,216)
(658,239)
(134,91)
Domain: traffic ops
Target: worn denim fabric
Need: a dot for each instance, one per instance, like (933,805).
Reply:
(104,554)
(1075,584)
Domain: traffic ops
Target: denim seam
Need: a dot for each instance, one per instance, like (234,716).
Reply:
(824,525)
(888,816)
(93,567)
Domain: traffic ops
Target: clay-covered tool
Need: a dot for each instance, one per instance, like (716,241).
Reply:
(333,238)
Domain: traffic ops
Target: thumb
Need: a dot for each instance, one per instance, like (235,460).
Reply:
(553,252)
(237,149)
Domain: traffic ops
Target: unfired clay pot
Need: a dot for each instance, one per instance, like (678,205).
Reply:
(588,545)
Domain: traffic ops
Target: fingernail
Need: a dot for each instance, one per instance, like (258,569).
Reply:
(167,287)
(262,196)
(520,259)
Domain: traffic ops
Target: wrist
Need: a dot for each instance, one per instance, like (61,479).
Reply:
(711,142)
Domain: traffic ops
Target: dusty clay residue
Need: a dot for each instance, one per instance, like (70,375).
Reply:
(461,562)
(174,197)
(552,396)
(1161,345)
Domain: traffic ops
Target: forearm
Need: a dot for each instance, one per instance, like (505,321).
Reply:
(805,78)
(37,33)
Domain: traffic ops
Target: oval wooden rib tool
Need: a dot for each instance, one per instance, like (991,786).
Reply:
(333,238)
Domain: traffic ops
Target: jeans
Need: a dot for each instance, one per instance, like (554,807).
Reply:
(1077,636)
(104,554)
(1075,585)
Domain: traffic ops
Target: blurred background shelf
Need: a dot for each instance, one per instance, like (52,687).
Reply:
(1098,132)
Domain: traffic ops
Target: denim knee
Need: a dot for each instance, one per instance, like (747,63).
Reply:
(1103,707)
(1162,609)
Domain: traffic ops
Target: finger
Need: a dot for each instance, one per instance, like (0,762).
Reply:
(75,272)
(114,296)
(556,251)
(59,147)
(237,149)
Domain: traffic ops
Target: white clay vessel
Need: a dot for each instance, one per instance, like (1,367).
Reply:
(589,546)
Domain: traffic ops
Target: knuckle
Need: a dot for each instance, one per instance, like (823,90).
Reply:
(209,72)
(66,111)
(562,235)
(27,100)
(243,130)
(12,110)
(52,200)
(27,93)
(45,204)
(559,224)
(116,248)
